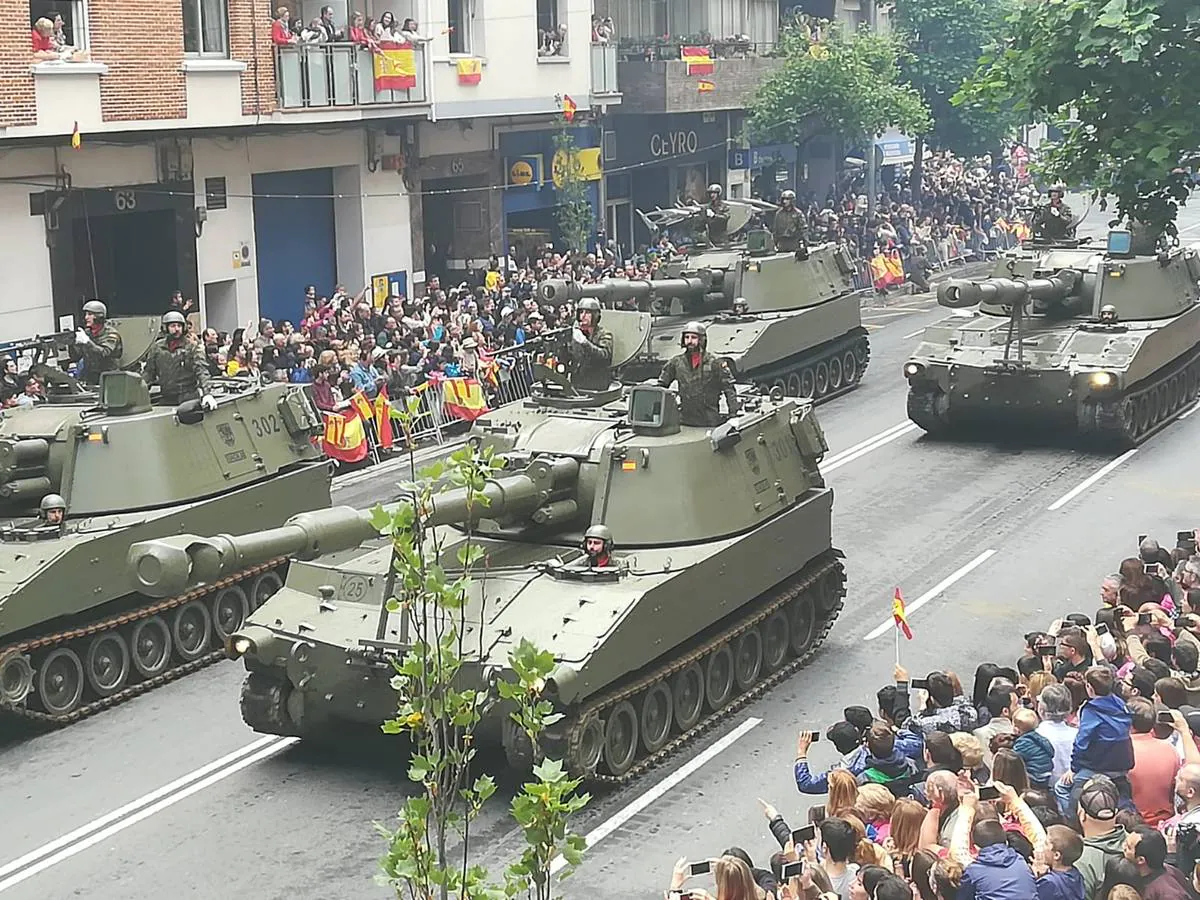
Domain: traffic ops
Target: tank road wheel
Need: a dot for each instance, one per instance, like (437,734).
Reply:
(802,618)
(687,692)
(190,630)
(822,379)
(658,711)
(230,606)
(1145,414)
(107,663)
(776,641)
(718,677)
(590,748)
(831,590)
(60,681)
(808,384)
(747,659)
(835,373)
(16,678)
(849,368)
(793,385)
(620,738)
(262,588)
(862,352)
(150,641)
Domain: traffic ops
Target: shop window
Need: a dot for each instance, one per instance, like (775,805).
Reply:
(460,16)
(74,14)
(551,29)
(205,28)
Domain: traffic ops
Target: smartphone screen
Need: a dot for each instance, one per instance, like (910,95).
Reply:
(1101,628)
(989,792)
(920,684)
(792,870)
(701,868)
(1143,618)
(1164,717)
(807,833)
(817,814)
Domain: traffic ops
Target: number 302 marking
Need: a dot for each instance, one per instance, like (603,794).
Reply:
(264,425)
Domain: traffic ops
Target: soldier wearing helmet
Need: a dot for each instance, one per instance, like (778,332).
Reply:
(789,228)
(1054,221)
(716,215)
(1108,314)
(702,379)
(97,343)
(741,307)
(591,348)
(598,545)
(177,365)
(53,511)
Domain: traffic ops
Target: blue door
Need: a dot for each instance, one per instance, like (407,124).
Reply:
(294,234)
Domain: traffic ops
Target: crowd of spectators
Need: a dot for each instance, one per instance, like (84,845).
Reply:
(1072,775)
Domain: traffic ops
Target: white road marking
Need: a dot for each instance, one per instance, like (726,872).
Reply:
(937,589)
(913,334)
(131,813)
(607,827)
(860,450)
(1184,415)
(1090,480)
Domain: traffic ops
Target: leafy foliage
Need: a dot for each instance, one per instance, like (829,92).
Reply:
(573,213)
(1127,69)
(428,854)
(943,42)
(834,82)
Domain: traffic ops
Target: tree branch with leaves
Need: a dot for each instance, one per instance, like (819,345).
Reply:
(573,210)
(1125,71)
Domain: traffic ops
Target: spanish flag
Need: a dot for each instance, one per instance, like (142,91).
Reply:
(899,614)
(569,108)
(383,419)
(705,86)
(76,140)
(395,66)
(698,59)
(363,406)
(463,398)
(470,71)
(345,437)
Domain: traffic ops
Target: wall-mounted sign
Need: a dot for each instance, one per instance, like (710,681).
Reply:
(587,162)
(384,286)
(520,172)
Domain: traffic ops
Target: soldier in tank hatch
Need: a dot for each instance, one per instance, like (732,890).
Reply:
(716,215)
(591,348)
(97,343)
(53,511)
(1054,221)
(789,227)
(178,366)
(598,545)
(702,379)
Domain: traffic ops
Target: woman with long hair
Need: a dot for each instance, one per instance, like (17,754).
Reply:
(843,793)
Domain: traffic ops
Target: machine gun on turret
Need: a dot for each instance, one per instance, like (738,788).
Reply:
(742,213)
(47,355)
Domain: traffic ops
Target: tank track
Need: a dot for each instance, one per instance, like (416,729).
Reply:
(34,650)
(823,580)
(803,376)
(1147,408)
(929,411)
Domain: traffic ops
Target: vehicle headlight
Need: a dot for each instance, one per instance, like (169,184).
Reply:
(912,369)
(1102,379)
(237,646)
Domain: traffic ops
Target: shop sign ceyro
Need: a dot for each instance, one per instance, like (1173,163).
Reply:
(673,143)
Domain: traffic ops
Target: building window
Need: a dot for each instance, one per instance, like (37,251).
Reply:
(460,17)
(551,28)
(74,16)
(205,28)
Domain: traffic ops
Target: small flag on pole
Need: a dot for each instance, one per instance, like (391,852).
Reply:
(569,107)
(704,86)
(899,615)
(76,140)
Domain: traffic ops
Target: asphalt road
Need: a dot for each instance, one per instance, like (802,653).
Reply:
(171,792)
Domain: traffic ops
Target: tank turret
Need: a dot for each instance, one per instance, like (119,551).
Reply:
(542,492)
(958,293)
(720,581)
(615,290)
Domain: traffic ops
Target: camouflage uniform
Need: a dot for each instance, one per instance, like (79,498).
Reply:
(715,225)
(1048,227)
(591,363)
(179,368)
(700,387)
(789,229)
(103,354)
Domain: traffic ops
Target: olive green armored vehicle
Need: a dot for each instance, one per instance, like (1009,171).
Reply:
(1104,343)
(722,580)
(799,327)
(81,480)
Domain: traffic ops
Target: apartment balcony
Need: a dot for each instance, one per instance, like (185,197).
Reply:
(311,77)
(655,78)
(605,82)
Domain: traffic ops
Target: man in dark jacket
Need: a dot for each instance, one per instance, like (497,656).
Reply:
(999,872)
(1147,849)
(886,764)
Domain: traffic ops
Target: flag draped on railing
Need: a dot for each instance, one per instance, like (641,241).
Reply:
(463,398)
(698,60)
(887,270)
(345,437)
(395,66)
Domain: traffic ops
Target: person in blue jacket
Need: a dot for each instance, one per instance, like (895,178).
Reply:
(1103,745)
(999,872)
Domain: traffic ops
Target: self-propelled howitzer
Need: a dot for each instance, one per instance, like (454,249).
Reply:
(723,580)
(79,483)
(1101,342)
(800,331)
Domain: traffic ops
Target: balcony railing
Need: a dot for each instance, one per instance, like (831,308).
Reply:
(317,76)
(604,69)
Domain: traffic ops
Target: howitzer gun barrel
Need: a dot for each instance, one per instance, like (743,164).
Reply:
(616,289)
(163,568)
(957,293)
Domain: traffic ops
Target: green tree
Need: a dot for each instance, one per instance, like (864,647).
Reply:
(943,43)
(834,82)
(573,212)
(1126,70)
(439,706)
